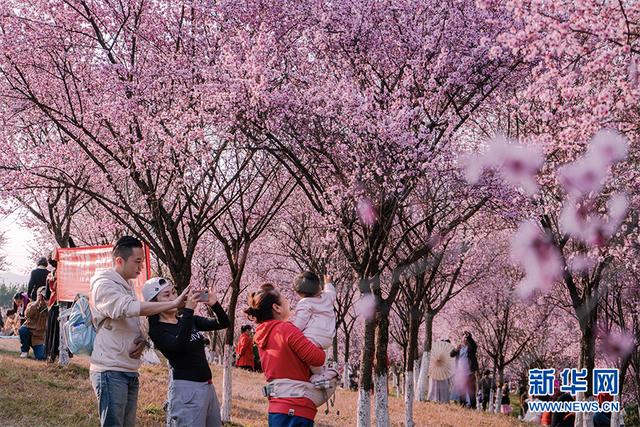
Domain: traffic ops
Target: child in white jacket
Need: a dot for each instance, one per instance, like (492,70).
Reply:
(314,314)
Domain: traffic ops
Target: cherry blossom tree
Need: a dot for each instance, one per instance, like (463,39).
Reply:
(3,255)
(583,79)
(160,169)
(504,326)
(392,91)
(253,202)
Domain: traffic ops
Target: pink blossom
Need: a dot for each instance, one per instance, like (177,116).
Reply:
(571,220)
(608,146)
(366,306)
(534,251)
(617,207)
(633,73)
(528,287)
(367,212)
(616,344)
(518,164)
(473,167)
(582,222)
(581,263)
(583,176)
(434,240)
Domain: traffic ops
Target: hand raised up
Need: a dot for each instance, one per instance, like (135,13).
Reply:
(180,301)
(193,298)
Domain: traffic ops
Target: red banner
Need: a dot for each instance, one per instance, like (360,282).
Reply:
(76,266)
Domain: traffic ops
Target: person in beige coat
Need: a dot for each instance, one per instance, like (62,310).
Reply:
(32,331)
(119,343)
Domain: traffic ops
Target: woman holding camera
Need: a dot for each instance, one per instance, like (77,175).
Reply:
(193,397)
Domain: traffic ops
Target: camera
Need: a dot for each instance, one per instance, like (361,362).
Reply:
(204,296)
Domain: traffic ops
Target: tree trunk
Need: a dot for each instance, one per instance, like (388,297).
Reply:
(498,404)
(381,396)
(416,372)
(168,421)
(587,359)
(382,367)
(395,378)
(414,325)
(228,353)
(405,349)
(364,408)
(423,379)
(347,370)
(366,375)
(62,345)
(408,397)
(615,416)
(180,270)
(588,350)
(225,411)
(335,347)
(347,347)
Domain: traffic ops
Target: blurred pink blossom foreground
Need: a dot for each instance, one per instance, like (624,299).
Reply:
(518,164)
(534,251)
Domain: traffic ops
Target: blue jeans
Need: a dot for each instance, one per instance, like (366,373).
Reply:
(25,343)
(117,394)
(284,420)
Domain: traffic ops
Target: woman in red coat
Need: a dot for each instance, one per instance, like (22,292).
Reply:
(286,355)
(244,349)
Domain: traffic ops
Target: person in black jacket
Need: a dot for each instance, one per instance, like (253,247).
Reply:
(38,278)
(467,362)
(193,400)
(485,386)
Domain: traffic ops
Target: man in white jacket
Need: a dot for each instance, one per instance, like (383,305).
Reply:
(119,343)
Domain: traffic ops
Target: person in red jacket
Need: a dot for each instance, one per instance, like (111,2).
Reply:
(285,354)
(244,349)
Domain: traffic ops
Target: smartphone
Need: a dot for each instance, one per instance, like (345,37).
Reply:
(204,296)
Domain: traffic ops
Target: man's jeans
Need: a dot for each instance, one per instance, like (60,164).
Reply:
(25,343)
(117,394)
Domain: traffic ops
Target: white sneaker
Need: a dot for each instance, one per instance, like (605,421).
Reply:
(24,355)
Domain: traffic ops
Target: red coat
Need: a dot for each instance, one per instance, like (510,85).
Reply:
(244,351)
(286,353)
(52,282)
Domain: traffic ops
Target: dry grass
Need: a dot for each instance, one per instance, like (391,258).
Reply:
(36,394)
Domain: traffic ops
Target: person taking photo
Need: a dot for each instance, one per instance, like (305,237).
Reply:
(193,400)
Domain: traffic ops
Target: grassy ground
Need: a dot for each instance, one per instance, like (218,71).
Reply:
(37,394)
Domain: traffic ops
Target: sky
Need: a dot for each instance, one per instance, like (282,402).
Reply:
(18,246)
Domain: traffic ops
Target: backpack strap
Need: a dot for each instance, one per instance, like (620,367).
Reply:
(82,310)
